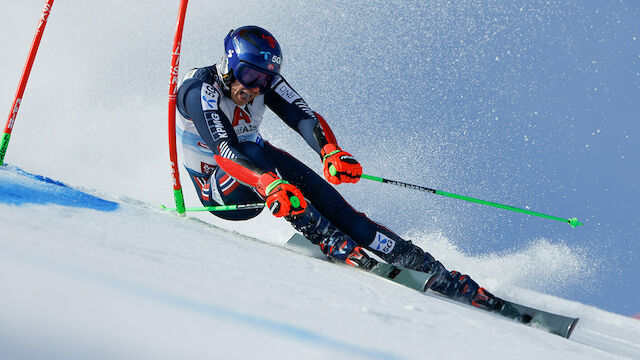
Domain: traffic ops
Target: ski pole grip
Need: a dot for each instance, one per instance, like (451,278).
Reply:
(295,202)
(332,170)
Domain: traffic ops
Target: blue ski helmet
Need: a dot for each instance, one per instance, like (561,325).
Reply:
(253,57)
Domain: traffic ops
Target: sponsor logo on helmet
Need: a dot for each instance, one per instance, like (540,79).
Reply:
(230,54)
(271,40)
(382,243)
(266,54)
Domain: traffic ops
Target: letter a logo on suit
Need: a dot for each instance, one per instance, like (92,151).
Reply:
(238,115)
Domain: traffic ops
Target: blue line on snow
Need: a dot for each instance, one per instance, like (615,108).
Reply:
(211,310)
(18,187)
(272,326)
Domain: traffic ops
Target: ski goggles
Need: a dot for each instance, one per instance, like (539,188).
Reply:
(252,78)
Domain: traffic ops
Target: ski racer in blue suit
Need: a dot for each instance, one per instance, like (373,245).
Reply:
(229,162)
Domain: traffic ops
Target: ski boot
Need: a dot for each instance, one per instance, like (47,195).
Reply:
(486,300)
(464,289)
(333,242)
(341,247)
(450,284)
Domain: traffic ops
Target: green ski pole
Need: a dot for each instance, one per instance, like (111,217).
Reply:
(220,208)
(573,221)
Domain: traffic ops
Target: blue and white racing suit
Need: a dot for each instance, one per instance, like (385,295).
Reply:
(213,124)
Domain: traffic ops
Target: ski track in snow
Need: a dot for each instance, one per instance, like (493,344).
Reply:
(140,283)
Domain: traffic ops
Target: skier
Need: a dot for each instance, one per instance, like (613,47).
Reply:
(222,106)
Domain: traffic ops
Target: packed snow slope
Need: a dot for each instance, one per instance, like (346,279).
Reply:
(526,103)
(85,275)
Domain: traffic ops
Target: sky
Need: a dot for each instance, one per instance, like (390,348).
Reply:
(525,103)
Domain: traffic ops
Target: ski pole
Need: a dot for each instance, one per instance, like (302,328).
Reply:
(220,207)
(13,112)
(573,221)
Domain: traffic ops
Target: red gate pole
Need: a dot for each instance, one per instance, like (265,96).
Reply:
(13,112)
(173,88)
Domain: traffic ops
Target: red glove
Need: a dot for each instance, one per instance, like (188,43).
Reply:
(339,165)
(283,199)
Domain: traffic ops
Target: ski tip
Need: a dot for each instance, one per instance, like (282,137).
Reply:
(574,222)
(572,326)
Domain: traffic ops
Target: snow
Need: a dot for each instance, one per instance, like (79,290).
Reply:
(130,281)
(138,282)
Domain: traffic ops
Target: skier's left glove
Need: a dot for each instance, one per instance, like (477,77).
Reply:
(283,199)
(340,166)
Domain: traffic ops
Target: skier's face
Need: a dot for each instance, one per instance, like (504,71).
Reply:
(241,95)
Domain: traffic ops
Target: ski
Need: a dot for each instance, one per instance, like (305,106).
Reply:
(406,277)
(552,323)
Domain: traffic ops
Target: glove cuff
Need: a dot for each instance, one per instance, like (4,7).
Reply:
(329,150)
(267,182)
(273,185)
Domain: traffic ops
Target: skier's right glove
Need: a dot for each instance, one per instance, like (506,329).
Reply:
(283,199)
(339,166)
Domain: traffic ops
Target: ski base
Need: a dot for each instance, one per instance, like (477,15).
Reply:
(552,323)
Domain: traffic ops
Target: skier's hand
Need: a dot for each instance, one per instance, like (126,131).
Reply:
(283,199)
(340,166)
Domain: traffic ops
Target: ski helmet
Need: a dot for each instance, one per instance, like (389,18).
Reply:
(252,56)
